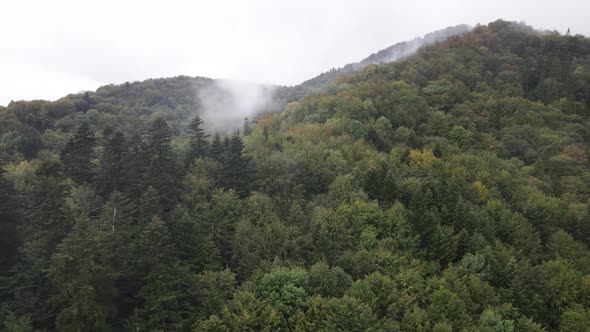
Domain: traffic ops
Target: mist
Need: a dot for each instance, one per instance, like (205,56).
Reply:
(225,103)
(55,48)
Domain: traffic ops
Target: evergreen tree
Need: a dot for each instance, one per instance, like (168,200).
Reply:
(235,171)
(193,247)
(46,224)
(118,218)
(217,148)
(162,173)
(169,293)
(135,165)
(77,155)
(150,205)
(82,279)
(247,129)
(159,135)
(112,166)
(11,221)
(197,141)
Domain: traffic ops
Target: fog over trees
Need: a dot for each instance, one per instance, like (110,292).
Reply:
(447,190)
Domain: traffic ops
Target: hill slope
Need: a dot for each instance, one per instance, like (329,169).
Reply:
(445,192)
(396,52)
(223,104)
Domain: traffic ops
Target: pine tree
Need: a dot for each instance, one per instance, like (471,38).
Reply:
(46,224)
(217,148)
(118,218)
(235,172)
(112,175)
(162,174)
(135,166)
(169,293)
(247,129)
(150,205)
(460,216)
(159,136)
(11,221)
(197,140)
(82,279)
(77,155)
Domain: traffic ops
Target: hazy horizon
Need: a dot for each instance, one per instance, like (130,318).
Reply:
(62,47)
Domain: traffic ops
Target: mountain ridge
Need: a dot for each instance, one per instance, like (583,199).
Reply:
(445,192)
(394,52)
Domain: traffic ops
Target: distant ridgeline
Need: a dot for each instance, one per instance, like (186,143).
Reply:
(395,52)
(179,98)
(445,191)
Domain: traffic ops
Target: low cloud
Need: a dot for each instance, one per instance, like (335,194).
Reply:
(225,103)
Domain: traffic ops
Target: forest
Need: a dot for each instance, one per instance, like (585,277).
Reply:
(449,191)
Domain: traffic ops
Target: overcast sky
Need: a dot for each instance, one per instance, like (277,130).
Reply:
(51,48)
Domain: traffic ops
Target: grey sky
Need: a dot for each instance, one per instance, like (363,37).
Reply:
(51,48)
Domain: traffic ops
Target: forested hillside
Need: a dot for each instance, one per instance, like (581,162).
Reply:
(396,52)
(446,192)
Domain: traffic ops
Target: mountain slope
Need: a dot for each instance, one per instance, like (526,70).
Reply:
(181,97)
(444,192)
(399,51)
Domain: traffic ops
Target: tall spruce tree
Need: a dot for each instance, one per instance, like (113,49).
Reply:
(247,128)
(117,217)
(46,224)
(77,155)
(11,221)
(82,278)
(235,171)
(216,151)
(169,294)
(112,175)
(163,173)
(135,165)
(198,143)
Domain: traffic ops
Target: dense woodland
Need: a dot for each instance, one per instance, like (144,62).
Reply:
(446,192)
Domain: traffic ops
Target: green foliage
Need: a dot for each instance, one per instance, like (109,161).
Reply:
(444,192)
(197,140)
(112,168)
(447,307)
(162,173)
(339,314)
(78,153)
(82,279)
(328,282)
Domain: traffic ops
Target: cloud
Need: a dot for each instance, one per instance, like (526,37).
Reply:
(225,103)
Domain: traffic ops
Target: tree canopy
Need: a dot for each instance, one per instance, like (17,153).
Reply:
(445,192)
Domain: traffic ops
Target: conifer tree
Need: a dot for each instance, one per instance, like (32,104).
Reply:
(46,224)
(11,216)
(247,129)
(162,173)
(235,171)
(82,279)
(169,293)
(216,148)
(118,219)
(112,176)
(77,155)
(135,166)
(199,145)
